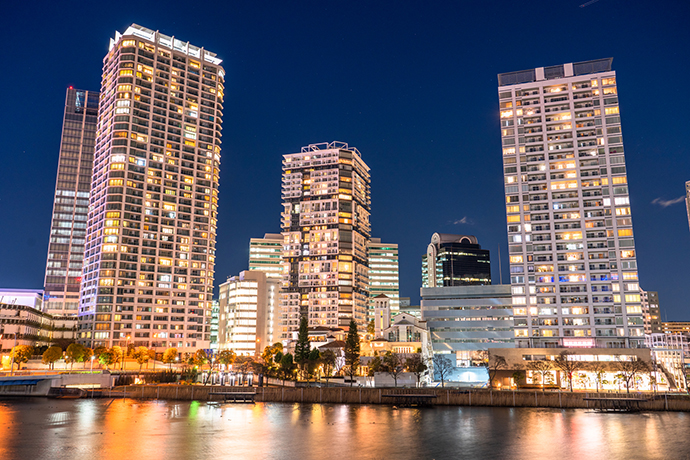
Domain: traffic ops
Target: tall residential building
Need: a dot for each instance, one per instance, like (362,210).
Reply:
(384,276)
(455,260)
(71,203)
(266,255)
(326,199)
(651,312)
(572,254)
(249,313)
(150,241)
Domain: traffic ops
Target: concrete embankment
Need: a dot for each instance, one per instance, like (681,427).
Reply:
(443,397)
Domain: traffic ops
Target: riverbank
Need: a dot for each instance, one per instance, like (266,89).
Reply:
(434,396)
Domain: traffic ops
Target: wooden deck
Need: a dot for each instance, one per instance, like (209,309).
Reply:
(616,404)
(410,399)
(235,396)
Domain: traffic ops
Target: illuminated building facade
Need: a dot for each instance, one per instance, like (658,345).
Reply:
(455,260)
(71,203)
(151,230)
(384,275)
(266,255)
(326,230)
(650,310)
(572,254)
(249,317)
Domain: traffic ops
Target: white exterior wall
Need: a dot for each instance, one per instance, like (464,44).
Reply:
(572,254)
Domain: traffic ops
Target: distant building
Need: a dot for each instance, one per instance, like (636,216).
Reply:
(71,203)
(382,314)
(249,316)
(266,255)
(463,320)
(455,260)
(215,317)
(28,297)
(650,311)
(406,334)
(384,275)
(670,352)
(676,327)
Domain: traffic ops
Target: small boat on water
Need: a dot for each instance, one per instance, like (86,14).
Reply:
(66,393)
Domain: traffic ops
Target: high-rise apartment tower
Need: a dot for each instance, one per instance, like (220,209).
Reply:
(150,242)
(572,254)
(71,203)
(455,260)
(384,275)
(326,199)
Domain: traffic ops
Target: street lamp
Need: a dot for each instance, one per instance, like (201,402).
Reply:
(92,358)
(124,353)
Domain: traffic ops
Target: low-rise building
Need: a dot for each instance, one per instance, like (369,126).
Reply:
(24,325)
(675,327)
(28,297)
(596,369)
(249,316)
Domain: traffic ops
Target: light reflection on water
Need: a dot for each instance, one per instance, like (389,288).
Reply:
(148,430)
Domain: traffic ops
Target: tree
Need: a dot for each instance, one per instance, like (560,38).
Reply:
(51,355)
(200,358)
(630,369)
(442,367)
(416,365)
(119,355)
(496,362)
(328,358)
(313,361)
(226,357)
(272,355)
(394,365)
(302,346)
(74,354)
(98,351)
(21,354)
(518,376)
(170,356)
(599,369)
(352,351)
(541,367)
(371,328)
(286,365)
(108,358)
(141,355)
(375,365)
(88,353)
(566,363)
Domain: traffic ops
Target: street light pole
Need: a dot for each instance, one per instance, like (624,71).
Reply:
(92,358)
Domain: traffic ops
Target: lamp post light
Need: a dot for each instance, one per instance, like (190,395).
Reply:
(92,358)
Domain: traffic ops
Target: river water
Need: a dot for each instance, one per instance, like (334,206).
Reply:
(148,430)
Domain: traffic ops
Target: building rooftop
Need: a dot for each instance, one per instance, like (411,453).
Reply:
(166,41)
(556,71)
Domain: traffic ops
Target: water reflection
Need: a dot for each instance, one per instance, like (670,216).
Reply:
(148,430)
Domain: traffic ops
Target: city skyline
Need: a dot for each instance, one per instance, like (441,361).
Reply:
(660,227)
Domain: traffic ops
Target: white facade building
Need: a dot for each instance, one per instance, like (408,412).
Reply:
(150,239)
(266,255)
(572,254)
(384,274)
(249,316)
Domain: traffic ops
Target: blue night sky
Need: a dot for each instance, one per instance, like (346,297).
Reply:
(412,85)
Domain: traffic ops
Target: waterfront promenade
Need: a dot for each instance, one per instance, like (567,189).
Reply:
(443,396)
